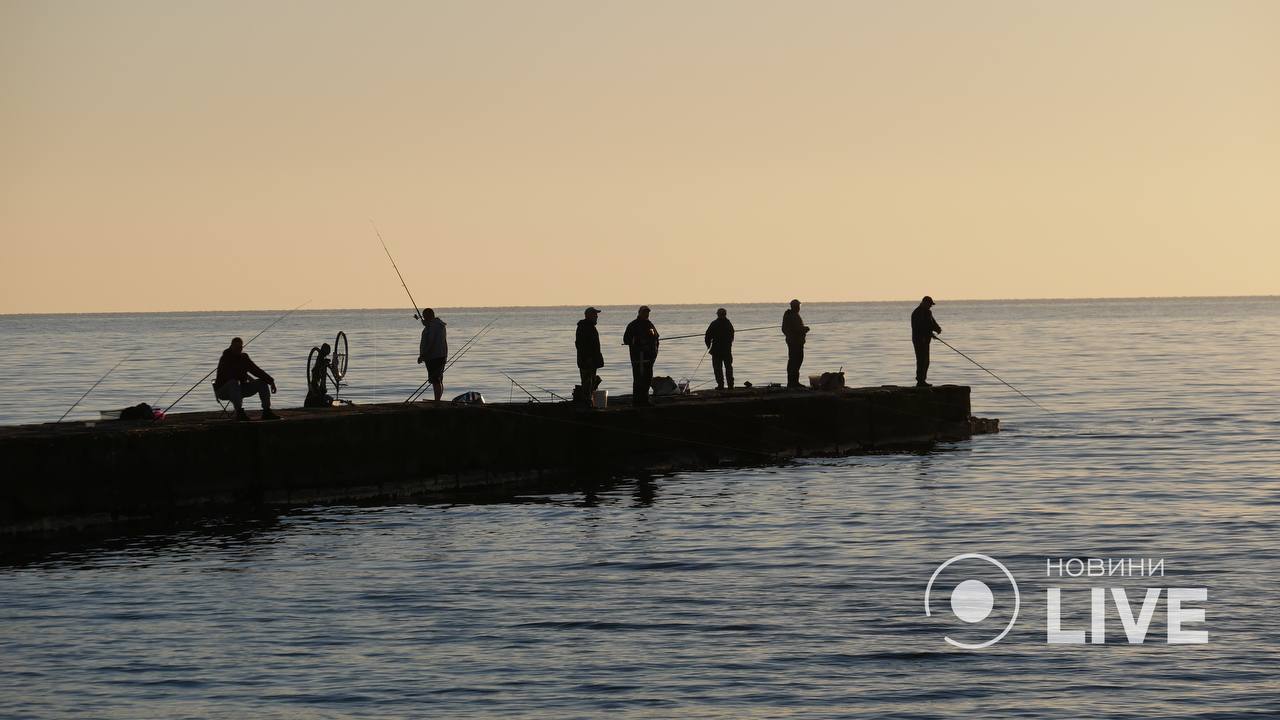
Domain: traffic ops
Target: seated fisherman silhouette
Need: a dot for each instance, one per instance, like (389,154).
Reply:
(232,381)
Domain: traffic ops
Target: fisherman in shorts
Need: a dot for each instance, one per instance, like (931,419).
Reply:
(433,350)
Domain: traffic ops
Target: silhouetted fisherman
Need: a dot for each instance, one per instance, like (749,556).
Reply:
(232,381)
(923,326)
(642,337)
(318,380)
(795,330)
(719,339)
(590,359)
(433,350)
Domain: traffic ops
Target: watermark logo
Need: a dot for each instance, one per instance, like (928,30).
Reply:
(1135,630)
(972,600)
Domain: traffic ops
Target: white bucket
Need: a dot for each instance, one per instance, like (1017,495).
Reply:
(600,398)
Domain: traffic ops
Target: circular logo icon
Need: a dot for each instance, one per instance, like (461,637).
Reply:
(972,600)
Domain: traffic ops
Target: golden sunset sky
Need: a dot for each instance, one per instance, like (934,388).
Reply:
(230,155)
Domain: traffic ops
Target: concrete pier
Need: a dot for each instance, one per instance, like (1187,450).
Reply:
(73,475)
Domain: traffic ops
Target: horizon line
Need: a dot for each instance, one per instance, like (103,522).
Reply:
(653,304)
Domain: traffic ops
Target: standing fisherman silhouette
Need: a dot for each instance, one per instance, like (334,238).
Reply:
(923,326)
(719,339)
(795,330)
(590,358)
(642,337)
(433,350)
(232,381)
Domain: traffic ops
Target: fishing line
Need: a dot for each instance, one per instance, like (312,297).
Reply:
(751,329)
(975,362)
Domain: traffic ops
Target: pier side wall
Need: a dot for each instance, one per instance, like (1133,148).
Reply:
(71,476)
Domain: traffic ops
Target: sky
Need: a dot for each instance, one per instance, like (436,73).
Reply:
(235,155)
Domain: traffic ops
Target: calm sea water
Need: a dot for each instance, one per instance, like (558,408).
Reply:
(788,591)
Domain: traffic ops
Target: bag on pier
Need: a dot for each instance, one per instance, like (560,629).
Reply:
(141,411)
(827,381)
(664,386)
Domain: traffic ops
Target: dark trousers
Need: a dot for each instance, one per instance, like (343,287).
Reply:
(237,391)
(641,378)
(588,385)
(722,365)
(922,358)
(795,358)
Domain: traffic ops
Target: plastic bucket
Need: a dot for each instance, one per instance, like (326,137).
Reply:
(600,398)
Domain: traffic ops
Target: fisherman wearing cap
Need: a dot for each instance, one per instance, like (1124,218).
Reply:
(923,326)
(795,330)
(433,350)
(590,359)
(642,337)
(719,339)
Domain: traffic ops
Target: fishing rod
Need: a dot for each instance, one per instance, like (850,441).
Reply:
(975,362)
(552,394)
(761,327)
(457,355)
(215,369)
(181,377)
(688,378)
(423,387)
(517,384)
(416,310)
(86,392)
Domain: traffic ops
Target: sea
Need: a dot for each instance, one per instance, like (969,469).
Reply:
(1118,548)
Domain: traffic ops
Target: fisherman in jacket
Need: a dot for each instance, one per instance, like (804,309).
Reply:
(923,326)
(433,350)
(795,330)
(232,381)
(642,337)
(590,359)
(719,340)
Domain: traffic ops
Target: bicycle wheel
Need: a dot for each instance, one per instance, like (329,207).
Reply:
(340,354)
(311,363)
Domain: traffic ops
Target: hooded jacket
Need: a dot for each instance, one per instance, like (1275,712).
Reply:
(434,344)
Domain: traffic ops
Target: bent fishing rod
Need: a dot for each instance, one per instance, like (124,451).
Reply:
(975,362)
(417,311)
(750,329)
(215,369)
(91,388)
